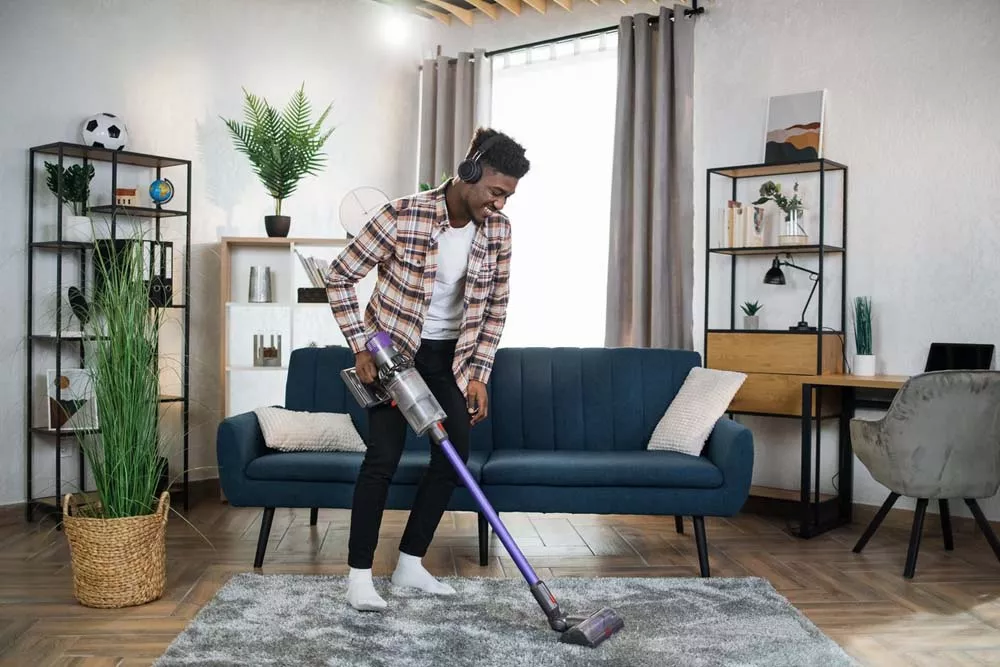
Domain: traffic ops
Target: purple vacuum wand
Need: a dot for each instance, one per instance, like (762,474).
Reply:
(414,399)
(383,351)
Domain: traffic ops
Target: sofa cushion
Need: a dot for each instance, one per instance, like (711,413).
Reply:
(569,468)
(342,466)
(583,399)
(691,416)
(301,431)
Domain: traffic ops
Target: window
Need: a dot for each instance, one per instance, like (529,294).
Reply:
(558,101)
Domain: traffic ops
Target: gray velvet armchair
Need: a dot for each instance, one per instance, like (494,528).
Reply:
(939,440)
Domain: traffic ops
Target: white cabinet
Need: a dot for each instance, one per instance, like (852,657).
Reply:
(246,386)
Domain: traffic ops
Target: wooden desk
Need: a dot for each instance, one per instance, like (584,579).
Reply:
(858,381)
(818,516)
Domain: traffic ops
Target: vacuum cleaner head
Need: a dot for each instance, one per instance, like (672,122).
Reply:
(594,629)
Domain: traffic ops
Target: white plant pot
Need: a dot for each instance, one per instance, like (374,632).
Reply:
(864,364)
(751,322)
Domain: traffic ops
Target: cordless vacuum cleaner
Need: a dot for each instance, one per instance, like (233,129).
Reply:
(400,384)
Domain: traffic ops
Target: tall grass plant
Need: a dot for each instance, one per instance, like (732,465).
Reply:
(121,356)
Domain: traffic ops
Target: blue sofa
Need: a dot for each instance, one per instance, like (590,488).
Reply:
(566,432)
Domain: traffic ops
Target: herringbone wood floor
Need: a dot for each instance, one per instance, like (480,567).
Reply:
(948,615)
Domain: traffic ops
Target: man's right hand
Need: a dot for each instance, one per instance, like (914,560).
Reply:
(365,366)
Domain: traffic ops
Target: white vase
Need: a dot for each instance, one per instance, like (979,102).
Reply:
(793,229)
(864,364)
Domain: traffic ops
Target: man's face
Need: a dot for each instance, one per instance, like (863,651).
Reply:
(490,194)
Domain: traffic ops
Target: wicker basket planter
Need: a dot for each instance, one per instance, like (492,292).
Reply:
(118,562)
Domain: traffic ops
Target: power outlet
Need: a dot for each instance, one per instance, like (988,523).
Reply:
(65,450)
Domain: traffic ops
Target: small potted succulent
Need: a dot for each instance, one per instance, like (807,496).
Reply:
(424,187)
(793,233)
(751,321)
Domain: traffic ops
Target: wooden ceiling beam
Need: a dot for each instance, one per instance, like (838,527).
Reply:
(440,16)
(565,4)
(512,6)
(462,14)
(486,8)
(539,6)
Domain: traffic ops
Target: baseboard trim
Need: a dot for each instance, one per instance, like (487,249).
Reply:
(898,517)
(199,490)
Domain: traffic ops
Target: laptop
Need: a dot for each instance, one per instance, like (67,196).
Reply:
(959,356)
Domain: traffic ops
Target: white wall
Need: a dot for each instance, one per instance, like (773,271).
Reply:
(912,86)
(170,71)
(912,92)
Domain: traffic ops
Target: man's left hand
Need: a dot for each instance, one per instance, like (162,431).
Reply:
(476,401)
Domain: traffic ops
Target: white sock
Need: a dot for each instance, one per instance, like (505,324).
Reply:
(361,593)
(410,572)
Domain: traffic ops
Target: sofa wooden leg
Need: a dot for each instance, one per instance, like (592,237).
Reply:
(679,523)
(484,540)
(313,516)
(918,529)
(702,544)
(265,531)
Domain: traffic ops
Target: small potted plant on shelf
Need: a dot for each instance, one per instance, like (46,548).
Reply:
(117,537)
(76,193)
(283,147)
(751,321)
(864,358)
(793,233)
(424,187)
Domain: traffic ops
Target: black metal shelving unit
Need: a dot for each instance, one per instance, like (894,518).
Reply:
(63,153)
(806,503)
(821,249)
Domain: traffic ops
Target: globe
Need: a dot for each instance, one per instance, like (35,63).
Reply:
(161,191)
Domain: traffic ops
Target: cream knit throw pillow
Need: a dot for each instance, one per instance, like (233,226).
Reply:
(293,431)
(691,416)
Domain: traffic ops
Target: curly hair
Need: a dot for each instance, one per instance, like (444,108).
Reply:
(505,155)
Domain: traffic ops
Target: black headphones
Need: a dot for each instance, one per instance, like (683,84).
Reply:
(471,170)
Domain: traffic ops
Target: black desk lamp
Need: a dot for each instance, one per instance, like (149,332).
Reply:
(775,276)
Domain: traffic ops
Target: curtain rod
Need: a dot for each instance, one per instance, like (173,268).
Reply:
(653,20)
(688,13)
(555,40)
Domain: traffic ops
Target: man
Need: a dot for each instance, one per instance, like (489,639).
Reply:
(441,295)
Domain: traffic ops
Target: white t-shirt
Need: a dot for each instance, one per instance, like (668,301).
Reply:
(444,315)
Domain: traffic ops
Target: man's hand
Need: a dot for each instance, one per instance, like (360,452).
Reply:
(477,401)
(365,366)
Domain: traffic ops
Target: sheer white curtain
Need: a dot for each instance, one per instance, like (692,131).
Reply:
(558,101)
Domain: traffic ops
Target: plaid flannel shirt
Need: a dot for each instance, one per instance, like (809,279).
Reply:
(401,239)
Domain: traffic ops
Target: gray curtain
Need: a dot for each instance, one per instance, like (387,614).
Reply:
(651,261)
(455,100)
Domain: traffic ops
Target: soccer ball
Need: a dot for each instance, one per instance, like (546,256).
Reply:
(105,130)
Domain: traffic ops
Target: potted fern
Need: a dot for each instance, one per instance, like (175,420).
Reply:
(751,320)
(75,193)
(283,147)
(117,539)
(864,358)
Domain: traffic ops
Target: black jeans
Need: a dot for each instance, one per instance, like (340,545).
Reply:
(388,433)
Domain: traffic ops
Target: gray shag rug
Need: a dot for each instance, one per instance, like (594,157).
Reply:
(305,620)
